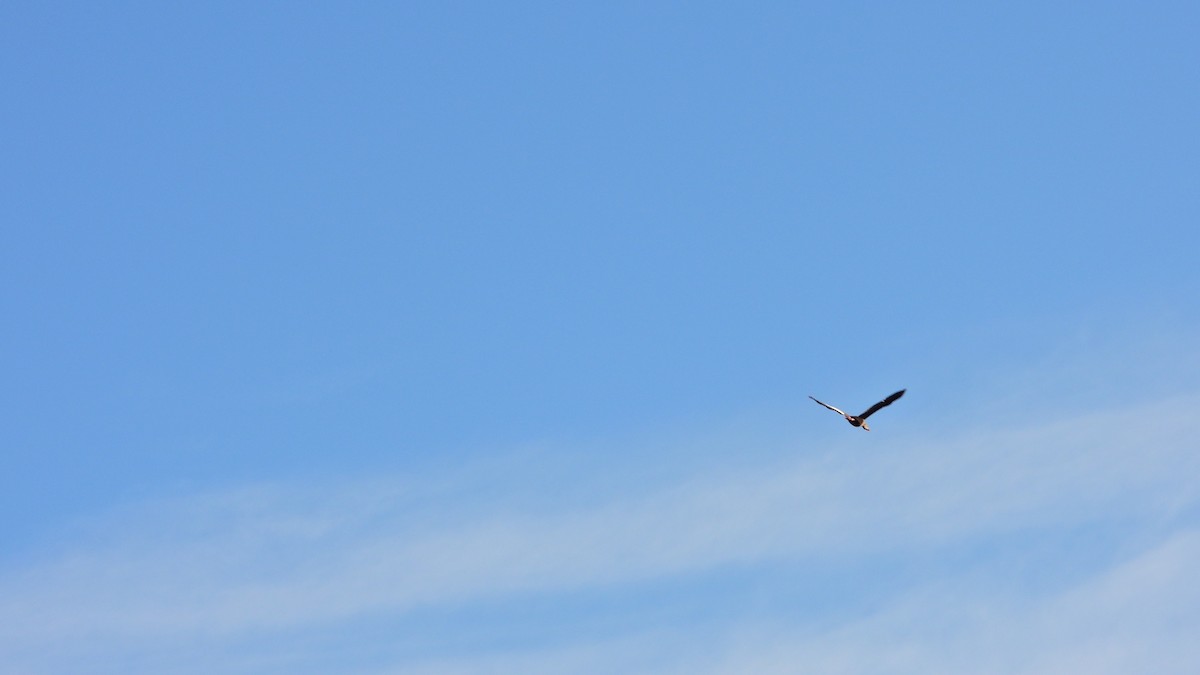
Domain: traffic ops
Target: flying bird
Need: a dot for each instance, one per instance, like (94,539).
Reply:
(861,420)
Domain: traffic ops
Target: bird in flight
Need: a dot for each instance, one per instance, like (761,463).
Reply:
(861,420)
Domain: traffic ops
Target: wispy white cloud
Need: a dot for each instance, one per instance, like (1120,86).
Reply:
(231,568)
(1139,615)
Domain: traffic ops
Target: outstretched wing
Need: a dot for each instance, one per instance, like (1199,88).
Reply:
(885,402)
(830,407)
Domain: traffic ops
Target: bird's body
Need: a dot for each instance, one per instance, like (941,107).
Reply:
(861,420)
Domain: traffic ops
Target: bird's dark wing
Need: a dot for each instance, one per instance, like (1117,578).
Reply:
(829,406)
(885,402)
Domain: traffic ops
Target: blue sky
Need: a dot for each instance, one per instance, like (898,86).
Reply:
(477,337)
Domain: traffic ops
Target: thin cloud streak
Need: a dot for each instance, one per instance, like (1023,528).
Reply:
(226,566)
(1141,614)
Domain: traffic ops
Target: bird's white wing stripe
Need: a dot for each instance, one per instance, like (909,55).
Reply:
(829,406)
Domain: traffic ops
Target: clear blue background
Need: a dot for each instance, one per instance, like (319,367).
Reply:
(280,242)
